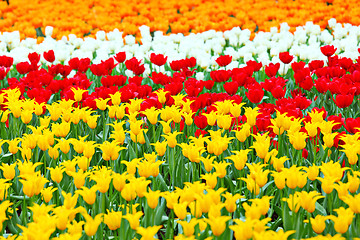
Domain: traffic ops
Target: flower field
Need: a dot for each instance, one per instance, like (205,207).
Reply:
(147,123)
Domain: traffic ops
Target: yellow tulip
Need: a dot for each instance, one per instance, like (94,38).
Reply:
(133,219)
(92,224)
(113,219)
(88,194)
(218,224)
(152,198)
(148,233)
(101,103)
(47,193)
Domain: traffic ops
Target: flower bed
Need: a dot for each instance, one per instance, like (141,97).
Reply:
(135,148)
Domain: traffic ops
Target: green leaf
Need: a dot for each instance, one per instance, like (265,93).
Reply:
(320,209)
(163,186)
(131,152)
(159,213)
(229,183)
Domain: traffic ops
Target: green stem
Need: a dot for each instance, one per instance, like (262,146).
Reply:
(154,133)
(309,226)
(24,211)
(153,211)
(174,168)
(329,202)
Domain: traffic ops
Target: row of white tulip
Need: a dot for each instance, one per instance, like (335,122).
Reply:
(304,44)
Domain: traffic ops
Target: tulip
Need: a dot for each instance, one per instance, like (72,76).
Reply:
(8,170)
(328,50)
(128,192)
(285,57)
(343,100)
(230,202)
(3,207)
(47,193)
(343,220)
(218,224)
(113,219)
(88,194)
(255,94)
(308,200)
(211,179)
(180,209)
(78,93)
(189,227)
(57,173)
(152,198)
(298,140)
(171,138)
(293,202)
(133,219)
(279,179)
(223,60)
(4,186)
(92,224)
(240,158)
(318,223)
(79,178)
(148,233)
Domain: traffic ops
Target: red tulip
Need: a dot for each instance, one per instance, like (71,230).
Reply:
(315,64)
(305,153)
(321,85)
(174,88)
(285,57)
(272,69)
(278,92)
(193,87)
(352,125)
(74,63)
(83,65)
(160,78)
(98,70)
(34,58)
(296,66)
(224,60)
(263,122)
(338,120)
(346,63)
(158,59)
(307,83)
(199,132)
(23,67)
(255,65)
(201,121)
(135,65)
(231,87)
(120,57)
(302,102)
(343,101)
(6,61)
(209,84)
(3,72)
(49,56)
(255,94)
(220,75)
(356,76)
(240,78)
(328,50)
(177,65)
